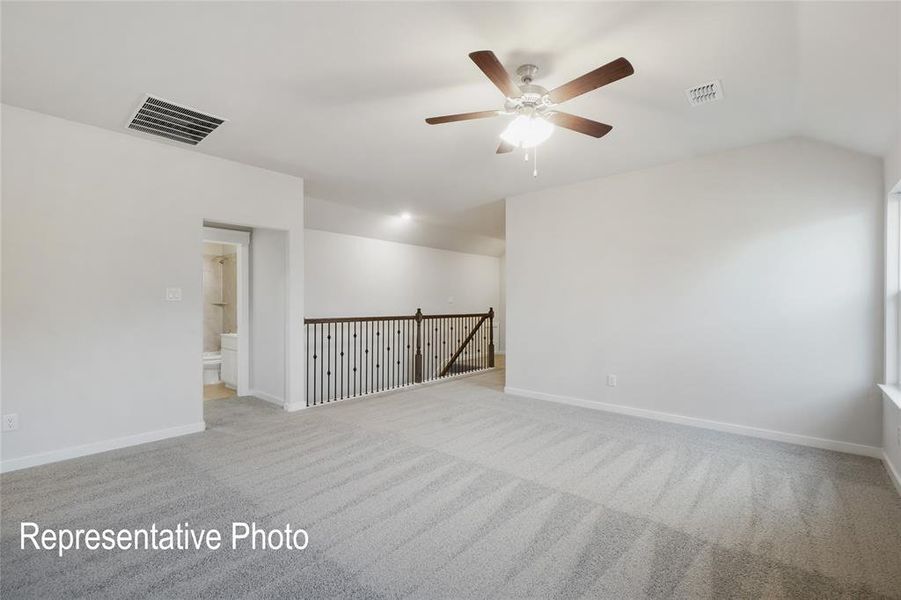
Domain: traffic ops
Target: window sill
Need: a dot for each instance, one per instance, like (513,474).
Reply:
(893,393)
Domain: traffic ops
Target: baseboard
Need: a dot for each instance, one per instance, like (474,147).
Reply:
(295,407)
(267,397)
(767,434)
(14,464)
(893,473)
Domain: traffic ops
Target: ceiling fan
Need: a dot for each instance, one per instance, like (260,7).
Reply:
(534,106)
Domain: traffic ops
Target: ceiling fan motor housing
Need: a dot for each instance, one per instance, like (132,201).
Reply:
(534,98)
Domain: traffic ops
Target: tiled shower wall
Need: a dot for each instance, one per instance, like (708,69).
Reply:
(219,286)
(230,294)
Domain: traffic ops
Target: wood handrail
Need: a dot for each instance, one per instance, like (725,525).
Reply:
(320,320)
(455,315)
(317,321)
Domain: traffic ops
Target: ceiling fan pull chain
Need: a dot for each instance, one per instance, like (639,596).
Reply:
(535,158)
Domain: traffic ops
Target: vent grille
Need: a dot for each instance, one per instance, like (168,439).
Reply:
(704,93)
(158,117)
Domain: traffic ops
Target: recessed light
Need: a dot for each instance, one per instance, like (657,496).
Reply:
(406,216)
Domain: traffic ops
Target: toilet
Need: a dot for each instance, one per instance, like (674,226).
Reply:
(212,364)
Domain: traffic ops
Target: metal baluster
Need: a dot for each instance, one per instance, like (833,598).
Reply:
(337,359)
(306,378)
(482,342)
(368,356)
(392,343)
(386,355)
(386,365)
(468,352)
(450,338)
(321,363)
(358,362)
(353,370)
(389,356)
(328,371)
(378,362)
(460,336)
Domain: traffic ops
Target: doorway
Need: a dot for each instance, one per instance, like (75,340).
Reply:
(226,332)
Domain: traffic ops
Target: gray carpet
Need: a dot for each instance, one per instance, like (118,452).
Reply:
(458,491)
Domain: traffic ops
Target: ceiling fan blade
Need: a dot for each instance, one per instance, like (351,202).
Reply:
(492,67)
(580,124)
(601,76)
(461,117)
(504,147)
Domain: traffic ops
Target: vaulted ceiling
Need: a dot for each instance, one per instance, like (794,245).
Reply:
(337,92)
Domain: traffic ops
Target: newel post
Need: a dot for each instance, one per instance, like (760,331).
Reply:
(417,361)
(491,338)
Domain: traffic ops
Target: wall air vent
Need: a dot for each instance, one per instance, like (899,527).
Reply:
(158,117)
(704,93)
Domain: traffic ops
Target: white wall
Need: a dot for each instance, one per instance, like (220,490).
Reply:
(502,310)
(892,167)
(742,288)
(355,276)
(891,407)
(891,411)
(268,311)
(96,225)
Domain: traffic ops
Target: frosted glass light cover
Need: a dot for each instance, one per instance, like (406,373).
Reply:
(527,131)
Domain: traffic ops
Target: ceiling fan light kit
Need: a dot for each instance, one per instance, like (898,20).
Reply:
(533,107)
(527,131)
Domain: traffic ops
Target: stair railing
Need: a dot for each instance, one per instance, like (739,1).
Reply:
(349,357)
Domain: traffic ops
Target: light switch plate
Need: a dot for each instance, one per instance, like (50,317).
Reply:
(10,422)
(611,380)
(173,294)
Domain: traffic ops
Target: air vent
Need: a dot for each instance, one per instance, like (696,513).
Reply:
(158,117)
(707,92)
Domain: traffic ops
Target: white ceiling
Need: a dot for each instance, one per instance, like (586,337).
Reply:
(337,92)
(351,220)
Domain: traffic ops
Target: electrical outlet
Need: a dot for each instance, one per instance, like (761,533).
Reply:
(10,422)
(611,380)
(173,294)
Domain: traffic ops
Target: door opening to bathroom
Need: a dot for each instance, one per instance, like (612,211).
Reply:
(225,326)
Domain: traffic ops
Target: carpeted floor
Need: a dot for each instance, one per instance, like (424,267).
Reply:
(458,491)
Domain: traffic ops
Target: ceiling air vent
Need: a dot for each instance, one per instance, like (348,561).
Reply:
(704,93)
(158,117)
